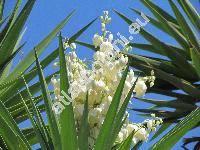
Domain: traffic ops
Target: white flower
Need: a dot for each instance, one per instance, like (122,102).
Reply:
(109,99)
(101,81)
(97,40)
(73,46)
(131,73)
(142,134)
(150,124)
(94,115)
(124,132)
(78,110)
(152,73)
(106,46)
(120,137)
(54,81)
(151,84)
(140,88)
(72,55)
(94,132)
(110,38)
(124,60)
(105,12)
(131,128)
(134,141)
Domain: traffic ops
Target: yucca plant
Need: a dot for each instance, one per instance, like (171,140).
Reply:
(17,103)
(62,131)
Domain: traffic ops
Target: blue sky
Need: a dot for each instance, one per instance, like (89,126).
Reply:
(47,14)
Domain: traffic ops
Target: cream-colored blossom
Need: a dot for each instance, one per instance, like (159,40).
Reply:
(97,40)
(140,88)
(101,81)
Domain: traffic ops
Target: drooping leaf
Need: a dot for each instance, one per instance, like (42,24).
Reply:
(172,103)
(195,55)
(167,25)
(190,35)
(178,131)
(191,13)
(162,12)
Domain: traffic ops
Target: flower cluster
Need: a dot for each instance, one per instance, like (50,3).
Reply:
(101,81)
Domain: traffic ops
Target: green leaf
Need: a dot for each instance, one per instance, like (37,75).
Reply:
(35,125)
(29,59)
(66,120)
(11,138)
(127,143)
(174,135)
(22,116)
(3,21)
(48,103)
(30,135)
(9,59)
(11,95)
(107,127)
(4,73)
(3,144)
(2,2)
(190,35)
(163,128)
(84,128)
(156,23)
(179,83)
(11,20)
(120,115)
(87,45)
(195,55)
(167,25)
(8,43)
(151,48)
(162,12)
(76,35)
(4,113)
(191,12)
(170,103)
(177,58)
(39,121)
(19,107)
